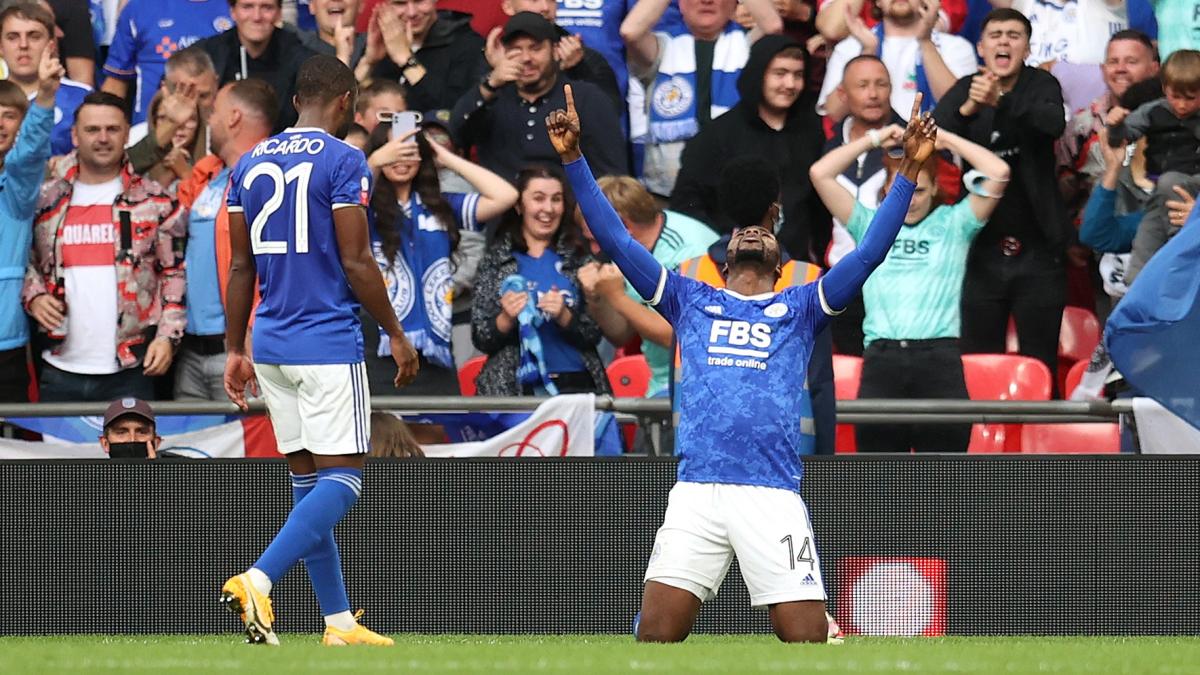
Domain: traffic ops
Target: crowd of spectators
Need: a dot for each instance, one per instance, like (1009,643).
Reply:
(1068,156)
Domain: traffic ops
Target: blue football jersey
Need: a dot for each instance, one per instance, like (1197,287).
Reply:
(288,187)
(148,32)
(743,405)
(70,95)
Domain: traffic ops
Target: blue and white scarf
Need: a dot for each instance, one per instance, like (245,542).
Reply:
(423,308)
(531,369)
(673,114)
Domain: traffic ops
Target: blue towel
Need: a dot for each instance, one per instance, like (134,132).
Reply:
(532,368)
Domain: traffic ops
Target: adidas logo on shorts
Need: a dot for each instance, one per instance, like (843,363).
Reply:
(808,580)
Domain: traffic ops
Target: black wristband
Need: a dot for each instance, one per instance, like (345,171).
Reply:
(487,86)
(412,62)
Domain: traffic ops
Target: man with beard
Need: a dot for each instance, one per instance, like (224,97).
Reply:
(105,280)
(739,472)
(243,114)
(501,116)
(919,57)
(1015,267)
(773,121)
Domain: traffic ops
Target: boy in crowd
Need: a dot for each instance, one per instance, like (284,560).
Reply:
(1170,125)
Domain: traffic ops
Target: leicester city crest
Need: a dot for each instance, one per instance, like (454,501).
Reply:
(673,97)
(436,289)
(400,284)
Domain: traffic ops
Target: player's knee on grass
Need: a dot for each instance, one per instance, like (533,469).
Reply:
(800,621)
(668,613)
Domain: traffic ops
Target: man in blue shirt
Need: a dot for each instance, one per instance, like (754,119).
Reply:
(745,350)
(298,221)
(23,155)
(148,32)
(29,29)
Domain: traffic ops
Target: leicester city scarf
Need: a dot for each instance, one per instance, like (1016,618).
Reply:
(532,367)
(673,95)
(419,283)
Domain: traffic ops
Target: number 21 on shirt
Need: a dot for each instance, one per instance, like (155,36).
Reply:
(297,176)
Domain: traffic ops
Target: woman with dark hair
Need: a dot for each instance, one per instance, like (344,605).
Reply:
(912,300)
(415,231)
(528,315)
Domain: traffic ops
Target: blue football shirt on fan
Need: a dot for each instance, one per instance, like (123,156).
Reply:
(66,102)
(150,31)
(288,187)
(543,274)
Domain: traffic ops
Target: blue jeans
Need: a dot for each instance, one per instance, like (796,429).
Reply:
(60,385)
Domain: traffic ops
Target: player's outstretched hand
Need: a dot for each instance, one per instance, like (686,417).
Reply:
(563,126)
(920,137)
(406,360)
(239,374)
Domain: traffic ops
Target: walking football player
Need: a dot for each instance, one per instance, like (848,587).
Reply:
(304,194)
(744,350)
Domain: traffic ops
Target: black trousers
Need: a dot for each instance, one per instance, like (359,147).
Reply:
(1031,286)
(913,369)
(14,376)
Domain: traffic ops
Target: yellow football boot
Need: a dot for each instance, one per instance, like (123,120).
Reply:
(253,608)
(359,635)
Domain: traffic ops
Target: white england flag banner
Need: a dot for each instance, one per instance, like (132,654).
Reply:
(563,426)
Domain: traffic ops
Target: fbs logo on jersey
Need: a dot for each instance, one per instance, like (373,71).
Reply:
(364,196)
(730,344)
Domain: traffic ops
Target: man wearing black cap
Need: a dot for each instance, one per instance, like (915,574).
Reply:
(773,120)
(129,430)
(503,116)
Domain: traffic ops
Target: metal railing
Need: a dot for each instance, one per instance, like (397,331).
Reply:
(874,411)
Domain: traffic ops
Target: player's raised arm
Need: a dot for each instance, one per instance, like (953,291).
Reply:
(644,273)
(847,277)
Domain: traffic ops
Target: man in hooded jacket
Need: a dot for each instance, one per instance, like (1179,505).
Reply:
(774,120)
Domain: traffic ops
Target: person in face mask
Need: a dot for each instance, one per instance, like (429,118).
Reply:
(129,430)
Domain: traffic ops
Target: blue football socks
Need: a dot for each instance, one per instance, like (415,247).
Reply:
(323,563)
(309,525)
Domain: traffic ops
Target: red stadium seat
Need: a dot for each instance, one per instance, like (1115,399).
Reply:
(1074,375)
(1076,341)
(1088,438)
(468,373)
(1079,335)
(847,375)
(630,378)
(1003,377)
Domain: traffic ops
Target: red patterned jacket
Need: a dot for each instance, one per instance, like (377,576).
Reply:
(150,242)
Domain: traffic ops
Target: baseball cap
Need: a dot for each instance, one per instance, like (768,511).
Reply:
(532,24)
(436,118)
(128,406)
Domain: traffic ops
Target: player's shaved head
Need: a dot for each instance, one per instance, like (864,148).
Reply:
(322,79)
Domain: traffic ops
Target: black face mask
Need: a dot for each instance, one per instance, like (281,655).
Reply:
(129,450)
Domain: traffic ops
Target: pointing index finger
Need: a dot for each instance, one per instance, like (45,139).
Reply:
(570,100)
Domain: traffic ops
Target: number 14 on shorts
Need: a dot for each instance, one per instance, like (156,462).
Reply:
(804,556)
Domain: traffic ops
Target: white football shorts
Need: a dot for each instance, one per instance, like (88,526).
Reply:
(325,409)
(768,529)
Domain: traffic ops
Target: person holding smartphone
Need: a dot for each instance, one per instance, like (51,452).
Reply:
(415,230)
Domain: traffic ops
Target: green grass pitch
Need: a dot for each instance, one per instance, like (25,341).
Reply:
(586,654)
